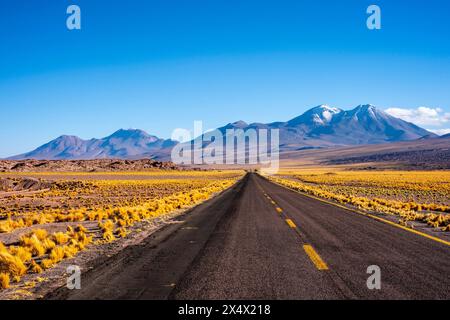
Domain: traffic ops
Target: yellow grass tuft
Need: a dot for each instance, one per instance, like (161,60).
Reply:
(7,226)
(82,238)
(2,247)
(80,228)
(4,281)
(71,250)
(108,225)
(34,267)
(48,244)
(11,265)
(23,254)
(40,234)
(57,254)
(60,238)
(121,232)
(109,236)
(47,263)
(33,244)
(122,222)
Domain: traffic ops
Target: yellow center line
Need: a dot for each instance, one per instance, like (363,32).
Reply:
(315,258)
(419,233)
(291,223)
(312,254)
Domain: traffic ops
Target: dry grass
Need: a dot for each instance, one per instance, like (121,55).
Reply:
(2,247)
(35,268)
(15,261)
(115,205)
(4,281)
(22,253)
(11,265)
(413,196)
(108,236)
(60,238)
(121,232)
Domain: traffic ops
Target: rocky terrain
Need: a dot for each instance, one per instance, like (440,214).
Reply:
(22,184)
(100,165)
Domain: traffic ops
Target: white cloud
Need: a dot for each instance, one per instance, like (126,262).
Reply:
(422,115)
(440,132)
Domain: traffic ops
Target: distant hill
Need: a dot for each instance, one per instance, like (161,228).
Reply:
(319,127)
(123,144)
(431,153)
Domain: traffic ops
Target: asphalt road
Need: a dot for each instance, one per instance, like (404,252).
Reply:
(262,241)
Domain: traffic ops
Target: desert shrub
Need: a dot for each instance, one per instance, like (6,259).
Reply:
(4,280)
(11,265)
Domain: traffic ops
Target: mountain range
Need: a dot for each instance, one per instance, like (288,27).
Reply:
(319,127)
(122,144)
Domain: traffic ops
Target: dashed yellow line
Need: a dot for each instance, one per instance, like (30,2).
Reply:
(315,258)
(291,223)
(419,233)
(312,254)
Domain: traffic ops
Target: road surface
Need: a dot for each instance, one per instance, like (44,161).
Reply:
(259,240)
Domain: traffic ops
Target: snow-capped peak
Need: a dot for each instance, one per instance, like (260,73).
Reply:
(318,116)
(367,110)
(324,113)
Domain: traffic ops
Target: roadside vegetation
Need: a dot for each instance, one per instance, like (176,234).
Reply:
(411,195)
(76,203)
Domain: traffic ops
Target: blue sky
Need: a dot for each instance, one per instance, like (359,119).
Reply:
(160,65)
